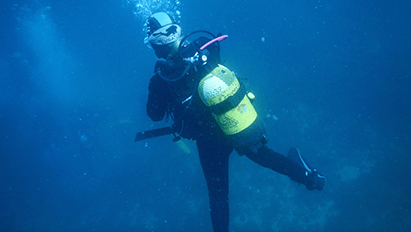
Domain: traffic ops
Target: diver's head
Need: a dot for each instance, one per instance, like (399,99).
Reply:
(163,34)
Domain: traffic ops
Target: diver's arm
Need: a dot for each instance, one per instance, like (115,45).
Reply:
(158,95)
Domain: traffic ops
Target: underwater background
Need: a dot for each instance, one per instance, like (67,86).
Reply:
(331,78)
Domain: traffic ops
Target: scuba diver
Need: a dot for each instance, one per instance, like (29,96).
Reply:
(210,105)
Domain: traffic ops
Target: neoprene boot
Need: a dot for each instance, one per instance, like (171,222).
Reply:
(312,179)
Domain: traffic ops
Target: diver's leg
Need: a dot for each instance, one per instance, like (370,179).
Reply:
(214,156)
(292,165)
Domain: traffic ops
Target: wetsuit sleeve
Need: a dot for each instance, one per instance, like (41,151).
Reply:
(158,96)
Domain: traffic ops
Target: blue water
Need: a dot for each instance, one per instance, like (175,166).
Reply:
(331,78)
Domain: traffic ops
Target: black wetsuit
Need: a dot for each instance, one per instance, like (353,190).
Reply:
(169,93)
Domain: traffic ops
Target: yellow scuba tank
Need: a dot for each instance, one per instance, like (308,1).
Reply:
(231,107)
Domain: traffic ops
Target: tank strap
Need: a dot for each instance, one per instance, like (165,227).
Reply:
(230,102)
